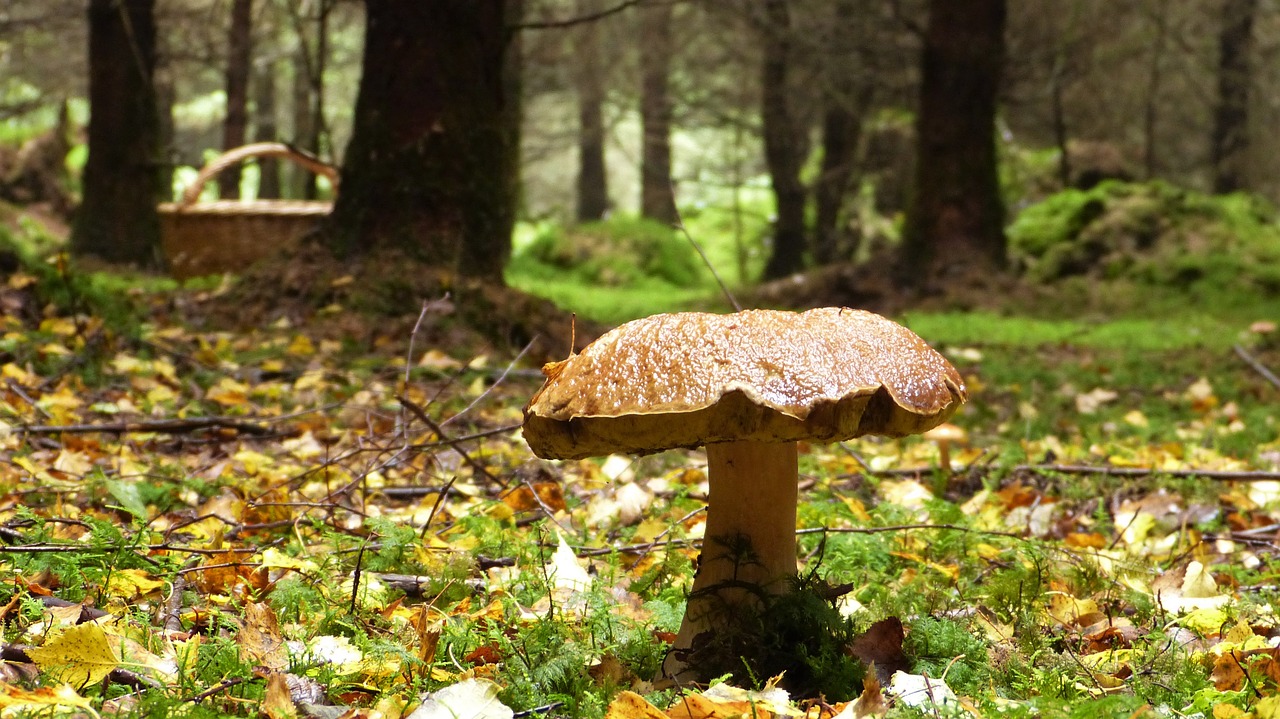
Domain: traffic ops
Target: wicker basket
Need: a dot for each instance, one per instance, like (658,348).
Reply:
(201,238)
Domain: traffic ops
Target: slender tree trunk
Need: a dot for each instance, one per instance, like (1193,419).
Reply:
(265,127)
(1151,113)
(846,95)
(117,219)
(657,193)
(1231,116)
(235,127)
(783,144)
(593,189)
(304,131)
(432,165)
(955,220)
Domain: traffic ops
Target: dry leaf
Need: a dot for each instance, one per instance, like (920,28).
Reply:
(278,703)
(629,705)
(78,655)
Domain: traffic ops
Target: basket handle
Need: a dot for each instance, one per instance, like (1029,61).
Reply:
(257,149)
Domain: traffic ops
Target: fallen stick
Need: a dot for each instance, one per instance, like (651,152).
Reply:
(1257,366)
(1224,475)
(159,426)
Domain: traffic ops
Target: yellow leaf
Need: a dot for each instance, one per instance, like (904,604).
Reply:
(629,705)
(301,346)
(19,699)
(79,655)
(132,583)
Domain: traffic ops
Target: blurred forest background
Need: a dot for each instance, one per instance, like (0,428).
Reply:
(870,144)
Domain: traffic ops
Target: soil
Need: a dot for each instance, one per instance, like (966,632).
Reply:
(386,297)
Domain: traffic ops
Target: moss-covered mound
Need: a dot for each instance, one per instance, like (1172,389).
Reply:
(1150,233)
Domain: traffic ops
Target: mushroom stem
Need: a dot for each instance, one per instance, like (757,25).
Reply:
(750,537)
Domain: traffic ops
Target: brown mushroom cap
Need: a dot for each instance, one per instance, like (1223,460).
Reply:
(688,379)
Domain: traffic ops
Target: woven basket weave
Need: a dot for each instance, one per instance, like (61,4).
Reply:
(201,238)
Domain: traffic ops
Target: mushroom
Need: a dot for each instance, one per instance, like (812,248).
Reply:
(944,435)
(748,386)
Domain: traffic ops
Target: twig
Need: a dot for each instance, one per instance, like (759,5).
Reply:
(161,426)
(220,686)
(1223,475)
(421,414)
(694,542)
(1257,366)
(491,387)
(22,394)
(706,261)
(578,20)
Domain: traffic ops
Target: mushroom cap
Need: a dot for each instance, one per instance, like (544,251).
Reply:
(693,378)
(947,432)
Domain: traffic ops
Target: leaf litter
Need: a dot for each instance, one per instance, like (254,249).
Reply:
(271,523)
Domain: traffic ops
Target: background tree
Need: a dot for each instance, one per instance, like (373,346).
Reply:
(1231,115)
(657,192)
(593,181)
(235,127)
(431,166)
(784,145)
(956,217)
(117,219)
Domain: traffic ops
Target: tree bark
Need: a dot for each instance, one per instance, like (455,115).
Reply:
(593,188)
(235,126)
(783,144)
(955,220)
(657,193)
(1231,116)
(846,95)
(432,165)
(265,127)
(117,219)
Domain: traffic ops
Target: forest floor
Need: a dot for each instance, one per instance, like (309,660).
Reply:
(335,515)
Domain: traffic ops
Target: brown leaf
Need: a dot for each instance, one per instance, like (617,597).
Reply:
(881,645)
(278,703)
(521,499)
(871,702)
(260,637)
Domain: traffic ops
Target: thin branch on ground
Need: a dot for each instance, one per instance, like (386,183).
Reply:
(1257,366)
(421,414)
(1223,475)
(150,426)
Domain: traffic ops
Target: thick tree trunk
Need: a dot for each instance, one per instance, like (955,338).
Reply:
(1231,116)
(955,221)
(657,193)
(784,145)
(117,220)
(265,127)
(593,188)
(235,126)
(846,94)
(431,168)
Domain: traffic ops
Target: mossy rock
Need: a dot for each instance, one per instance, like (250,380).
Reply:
(1152,233)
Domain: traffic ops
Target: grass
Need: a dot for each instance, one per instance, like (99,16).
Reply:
(982,595)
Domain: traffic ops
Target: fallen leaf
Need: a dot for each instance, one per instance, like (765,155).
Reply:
(78,655)
(629,705)
(468,699)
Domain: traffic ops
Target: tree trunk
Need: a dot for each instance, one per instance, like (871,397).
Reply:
(235,126)
(846,95)
(117,220)
(783,144)
(305,134)
(593,188)
(1231,116)
(1151,113)
(955,221)
(265,127)
(432,165)
(657,193)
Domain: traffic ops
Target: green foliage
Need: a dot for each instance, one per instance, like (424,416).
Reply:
(1153,234)
(621,251)
(799,633)
(942,648)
